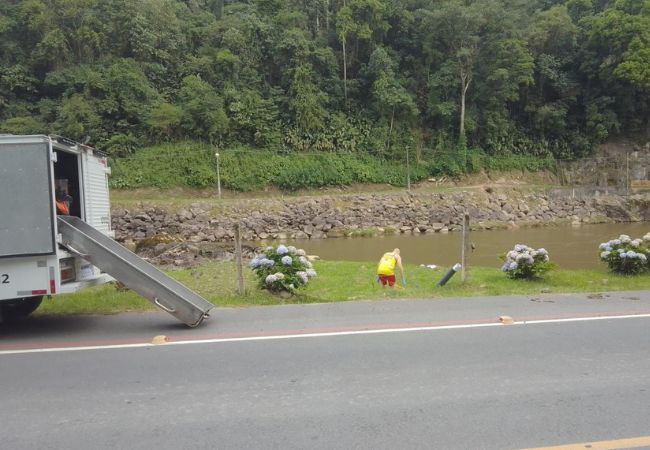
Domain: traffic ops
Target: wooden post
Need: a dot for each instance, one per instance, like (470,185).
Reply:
(238,258)
(465,249)
(408,171)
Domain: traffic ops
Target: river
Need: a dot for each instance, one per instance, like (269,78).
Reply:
(570,247)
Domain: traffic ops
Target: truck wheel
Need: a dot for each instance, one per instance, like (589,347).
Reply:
(19,307)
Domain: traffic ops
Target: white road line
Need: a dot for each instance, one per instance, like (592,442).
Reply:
(315,335)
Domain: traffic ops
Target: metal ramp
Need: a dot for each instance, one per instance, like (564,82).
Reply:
(137,274)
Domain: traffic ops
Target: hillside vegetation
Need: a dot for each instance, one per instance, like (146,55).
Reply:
(351,85)
(194,165)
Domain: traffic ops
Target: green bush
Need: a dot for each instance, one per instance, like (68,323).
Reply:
(282,269)
(625,255)
(523,262)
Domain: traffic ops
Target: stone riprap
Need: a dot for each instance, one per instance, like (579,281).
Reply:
(191,235)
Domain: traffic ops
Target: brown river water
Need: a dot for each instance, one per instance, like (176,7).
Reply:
(570,247)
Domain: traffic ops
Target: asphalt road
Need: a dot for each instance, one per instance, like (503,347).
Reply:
(365,375)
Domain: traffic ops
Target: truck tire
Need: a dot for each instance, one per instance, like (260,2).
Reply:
(19,307)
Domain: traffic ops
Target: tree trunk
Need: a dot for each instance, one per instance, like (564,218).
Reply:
(465,80)
(327,17)
(345,73)
(390,130)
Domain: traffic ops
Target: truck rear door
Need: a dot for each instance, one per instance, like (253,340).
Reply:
(27,217)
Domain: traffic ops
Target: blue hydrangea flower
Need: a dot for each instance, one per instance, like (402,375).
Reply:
(311,273)
(267,262)
(287,261)
(255,263)
(282,250)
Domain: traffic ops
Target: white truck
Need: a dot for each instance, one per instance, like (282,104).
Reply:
(46,253)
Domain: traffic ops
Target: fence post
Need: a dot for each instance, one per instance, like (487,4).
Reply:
(464,253)
(238,259)
(408,171)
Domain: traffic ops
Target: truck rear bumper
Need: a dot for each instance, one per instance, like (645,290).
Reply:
(74,286)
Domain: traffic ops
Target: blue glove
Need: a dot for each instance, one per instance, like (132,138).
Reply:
(403,281)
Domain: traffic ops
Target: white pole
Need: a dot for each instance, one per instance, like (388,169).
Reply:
(218,177)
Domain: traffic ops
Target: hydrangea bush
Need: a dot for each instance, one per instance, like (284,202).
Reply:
(625,255)
(523,262)
(282,268)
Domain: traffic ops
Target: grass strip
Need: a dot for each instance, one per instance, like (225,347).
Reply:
(342,281)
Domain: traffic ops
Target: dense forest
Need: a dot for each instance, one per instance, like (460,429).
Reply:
(372,77)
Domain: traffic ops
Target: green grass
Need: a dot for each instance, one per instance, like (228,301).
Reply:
(342,281)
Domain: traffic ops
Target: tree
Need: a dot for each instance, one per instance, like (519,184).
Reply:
(76,118)
(203,114)
(389,95)
(505,74)
(361,21)
(306,100)
(458,28)
(164,120)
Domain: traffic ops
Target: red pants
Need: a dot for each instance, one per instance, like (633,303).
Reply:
(390,279)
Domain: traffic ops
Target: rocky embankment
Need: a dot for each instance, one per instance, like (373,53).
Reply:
(189,236)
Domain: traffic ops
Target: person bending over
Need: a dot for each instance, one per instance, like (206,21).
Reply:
(386,268)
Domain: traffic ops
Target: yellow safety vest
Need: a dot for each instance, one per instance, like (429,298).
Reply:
(387,264)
